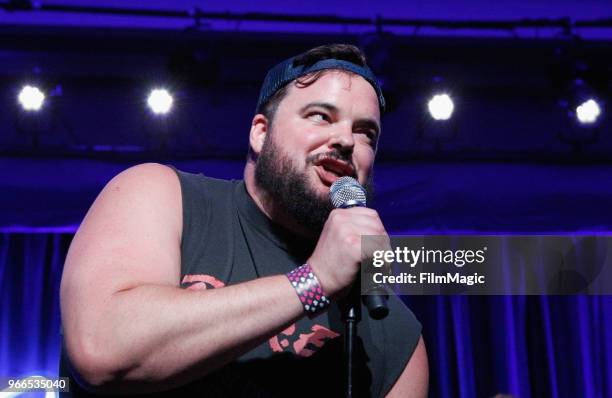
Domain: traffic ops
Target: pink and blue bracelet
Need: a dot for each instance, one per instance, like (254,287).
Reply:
(309,290)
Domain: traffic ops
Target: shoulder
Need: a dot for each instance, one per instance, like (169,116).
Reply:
(143,197)
(148,176)
(152,183)
(130,235)
(144,188)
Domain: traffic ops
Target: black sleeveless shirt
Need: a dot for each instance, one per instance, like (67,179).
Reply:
(228,240)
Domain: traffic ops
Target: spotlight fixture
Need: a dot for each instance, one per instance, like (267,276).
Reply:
(441,107)
(588,112)
(160,101)
(582,104)
(584,110)
(31,98)
(437,124)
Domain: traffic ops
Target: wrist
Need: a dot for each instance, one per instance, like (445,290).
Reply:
(309,290)
(325,280)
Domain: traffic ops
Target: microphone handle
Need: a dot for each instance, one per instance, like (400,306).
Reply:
(376,302)
(376,296)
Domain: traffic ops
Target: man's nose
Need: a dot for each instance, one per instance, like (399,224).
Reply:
(342,138)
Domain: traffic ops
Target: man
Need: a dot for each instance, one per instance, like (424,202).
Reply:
(180,283)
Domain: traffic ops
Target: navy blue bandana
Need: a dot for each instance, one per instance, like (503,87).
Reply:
(285,72)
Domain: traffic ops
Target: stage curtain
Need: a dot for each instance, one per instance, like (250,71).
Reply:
(528,346)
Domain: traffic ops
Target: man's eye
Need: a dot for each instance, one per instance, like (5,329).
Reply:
(370,134)
(319,117)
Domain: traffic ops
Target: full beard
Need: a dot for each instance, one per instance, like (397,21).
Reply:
(276,173)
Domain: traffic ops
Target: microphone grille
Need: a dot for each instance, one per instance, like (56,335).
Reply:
(347,192)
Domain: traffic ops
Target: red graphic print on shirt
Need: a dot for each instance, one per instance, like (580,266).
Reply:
(200,282)
(303,344)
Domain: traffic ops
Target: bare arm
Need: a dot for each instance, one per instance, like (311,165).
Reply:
(127,324)
(414,380)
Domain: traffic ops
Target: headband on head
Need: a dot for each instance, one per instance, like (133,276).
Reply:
(285,72)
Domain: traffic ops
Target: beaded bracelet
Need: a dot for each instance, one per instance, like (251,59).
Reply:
(309,290)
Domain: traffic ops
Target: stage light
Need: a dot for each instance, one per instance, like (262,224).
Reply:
(160,101)
(441,107)
(31,98)
(588,112)
(584,109)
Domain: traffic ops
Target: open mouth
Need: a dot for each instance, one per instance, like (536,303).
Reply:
(329,170)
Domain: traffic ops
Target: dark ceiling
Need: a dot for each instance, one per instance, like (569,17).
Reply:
(507,86)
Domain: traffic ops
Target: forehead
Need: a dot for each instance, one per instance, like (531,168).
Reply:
(347,91)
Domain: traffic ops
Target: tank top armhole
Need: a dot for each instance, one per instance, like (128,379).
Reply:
(207,236)
(191,227)
(181,178)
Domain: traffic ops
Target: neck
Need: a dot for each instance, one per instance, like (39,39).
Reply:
(267,204)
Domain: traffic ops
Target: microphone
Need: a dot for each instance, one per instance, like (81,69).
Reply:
(346,192)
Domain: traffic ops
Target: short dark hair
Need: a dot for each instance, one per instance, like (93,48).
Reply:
(345,52)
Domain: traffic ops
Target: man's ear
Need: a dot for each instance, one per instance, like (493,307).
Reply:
(259,131)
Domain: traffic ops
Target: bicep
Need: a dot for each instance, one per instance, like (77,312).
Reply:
(129,237)
(414,380)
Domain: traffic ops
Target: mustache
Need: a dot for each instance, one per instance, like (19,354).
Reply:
(345,158)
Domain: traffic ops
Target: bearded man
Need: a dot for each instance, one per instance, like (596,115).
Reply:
(177,283)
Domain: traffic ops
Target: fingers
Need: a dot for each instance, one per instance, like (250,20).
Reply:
(339,252)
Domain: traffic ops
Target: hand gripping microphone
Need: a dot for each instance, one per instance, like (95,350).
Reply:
(346,192)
